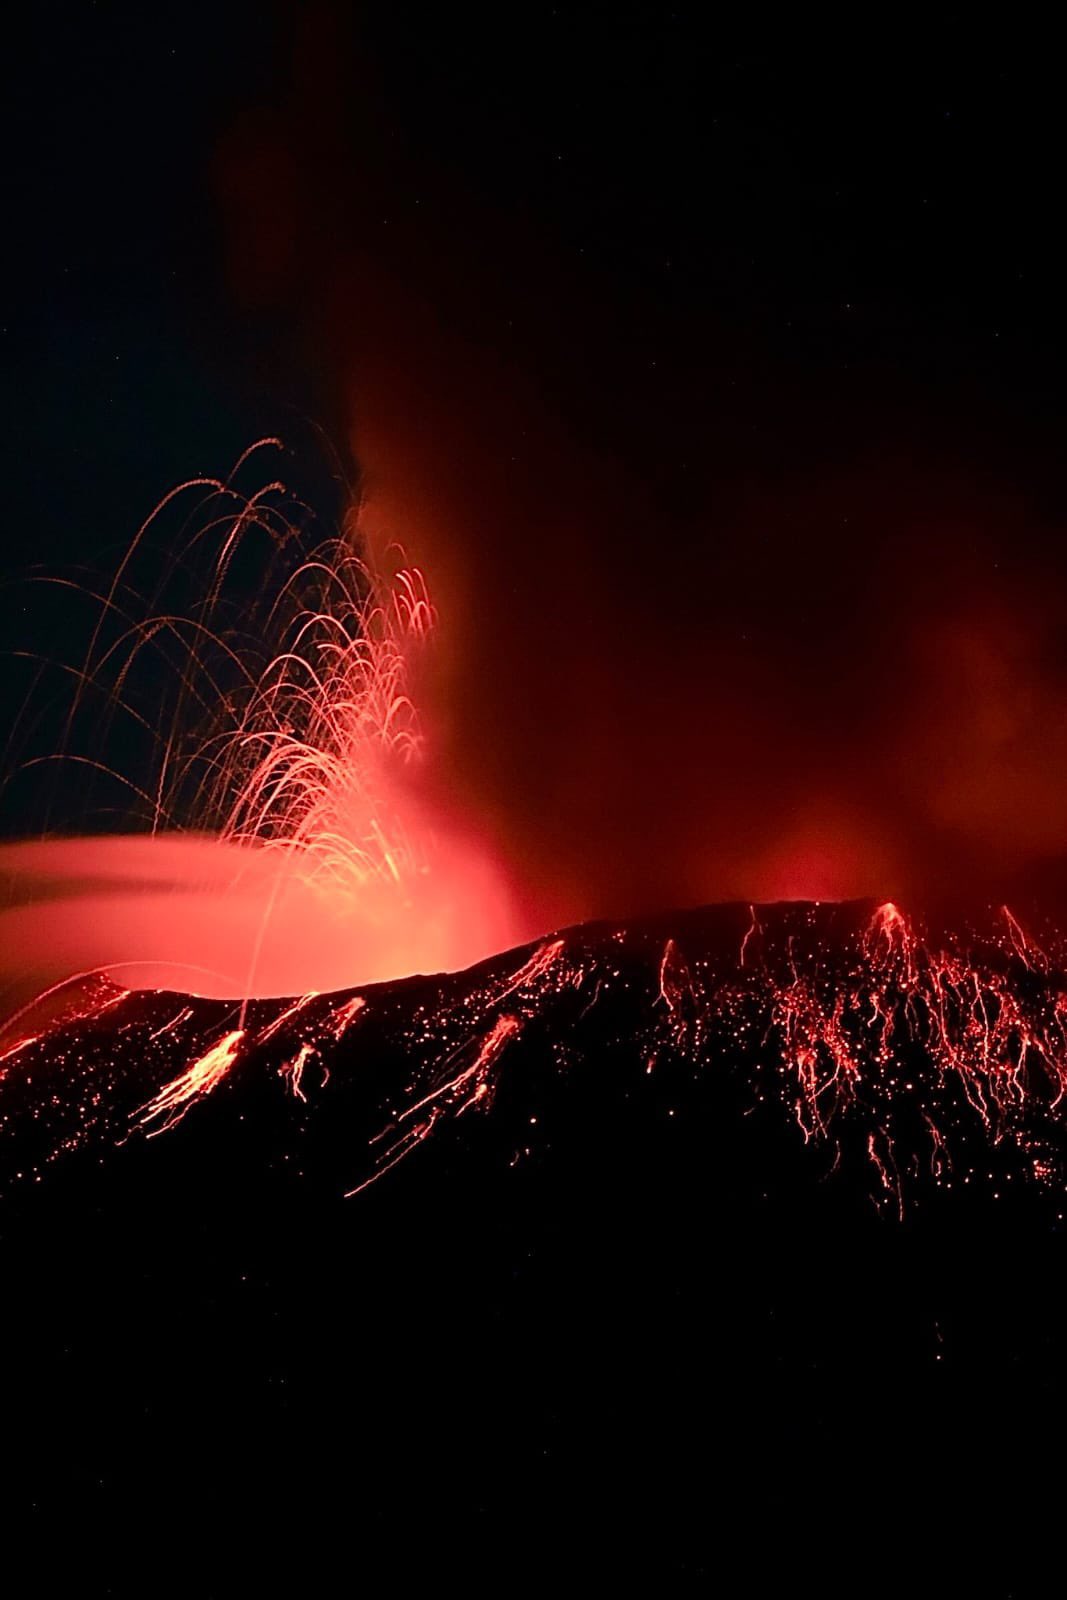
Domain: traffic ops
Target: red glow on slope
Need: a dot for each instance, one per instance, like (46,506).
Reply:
(169,1106)
(899,1053)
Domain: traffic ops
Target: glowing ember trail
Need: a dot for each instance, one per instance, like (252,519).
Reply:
(293,1070)
(342,1019)
(286,1016)
(538,966)
(468,1088)
(287,843)
(169,1106)
(22,1044)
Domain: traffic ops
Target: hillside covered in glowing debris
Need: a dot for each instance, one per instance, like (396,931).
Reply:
(892,1048)
(608,1289)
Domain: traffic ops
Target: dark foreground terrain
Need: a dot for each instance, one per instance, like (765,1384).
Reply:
(618,1315)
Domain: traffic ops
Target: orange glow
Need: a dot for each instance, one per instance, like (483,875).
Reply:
(172,1102)
(876,1035)
(325,865)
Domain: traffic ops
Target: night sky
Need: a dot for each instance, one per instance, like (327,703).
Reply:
(711,369)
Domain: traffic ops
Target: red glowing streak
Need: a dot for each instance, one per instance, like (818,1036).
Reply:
(1030,954)
(286,1016)
(752,928)
(472,1087)
(22,1044)
(539,965)
(293,1071)
(169,1106)
(344,1016)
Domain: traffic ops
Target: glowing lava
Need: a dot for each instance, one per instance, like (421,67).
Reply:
(319,868)
(910,1058)
(288,844)
(171,1103)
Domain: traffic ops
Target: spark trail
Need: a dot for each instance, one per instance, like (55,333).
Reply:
(281,839)
(174,1099)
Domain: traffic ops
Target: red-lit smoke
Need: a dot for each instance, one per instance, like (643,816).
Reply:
(843,684)
(710,628)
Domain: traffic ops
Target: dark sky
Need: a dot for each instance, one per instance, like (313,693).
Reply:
(713,369)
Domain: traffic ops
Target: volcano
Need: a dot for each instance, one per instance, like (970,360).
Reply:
(728,1236)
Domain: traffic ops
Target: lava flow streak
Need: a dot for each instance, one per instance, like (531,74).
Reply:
(472,1086)
(173,1101)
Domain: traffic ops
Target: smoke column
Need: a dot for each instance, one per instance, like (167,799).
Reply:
(710,626)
